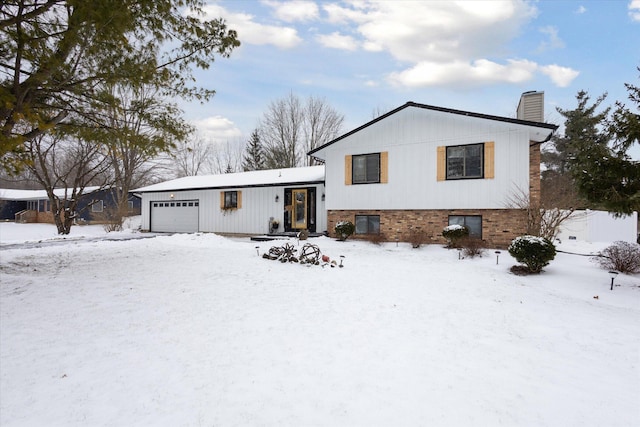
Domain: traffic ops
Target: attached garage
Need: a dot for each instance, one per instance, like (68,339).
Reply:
(179,216)
(254,202)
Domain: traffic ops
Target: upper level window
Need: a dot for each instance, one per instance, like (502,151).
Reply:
(230,199)
(465,161)
(366,168)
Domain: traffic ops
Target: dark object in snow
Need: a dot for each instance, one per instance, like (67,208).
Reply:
(310,254)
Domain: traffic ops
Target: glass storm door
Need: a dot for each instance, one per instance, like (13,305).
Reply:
(299,220)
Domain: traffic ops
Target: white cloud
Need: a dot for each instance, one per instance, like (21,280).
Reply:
(634,10)
(581,9)
(434,31)
(292,11)
(553,42)
(251,32)
(216,128)
(461,73)
(478,73)
(338,41)
(561,76)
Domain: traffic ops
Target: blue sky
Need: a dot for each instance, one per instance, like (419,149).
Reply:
(363,56)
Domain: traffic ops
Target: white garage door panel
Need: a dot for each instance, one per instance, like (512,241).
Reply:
(179,216)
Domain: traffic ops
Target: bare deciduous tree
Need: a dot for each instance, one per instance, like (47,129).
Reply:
(227,157)
(291,128)
(542,221)
(322,124)
(69,164)
(192,157)
(282,132)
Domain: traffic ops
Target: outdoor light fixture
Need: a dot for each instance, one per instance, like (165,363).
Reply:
(171,196)
(497,256)
(258,250)
(613,275)
(277,198)
(341,259)
(323,197)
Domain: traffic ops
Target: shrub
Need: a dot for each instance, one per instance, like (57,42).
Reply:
(417,238)
(471,246)
(453,233)
(376,239)
(621,256)
(344,229)
(532,251)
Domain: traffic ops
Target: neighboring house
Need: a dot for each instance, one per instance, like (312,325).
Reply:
(420,168)
(34,205)
(238,203)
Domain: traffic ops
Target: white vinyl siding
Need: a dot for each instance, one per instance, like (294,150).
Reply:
(412,137)
(258,206)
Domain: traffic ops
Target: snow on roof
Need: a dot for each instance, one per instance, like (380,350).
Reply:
(241,179)
(12,194)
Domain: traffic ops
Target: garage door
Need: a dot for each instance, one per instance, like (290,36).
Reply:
(179,216)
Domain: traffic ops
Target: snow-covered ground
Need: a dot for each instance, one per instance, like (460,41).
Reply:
(198,330)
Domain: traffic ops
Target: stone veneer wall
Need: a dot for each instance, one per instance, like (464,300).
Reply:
(499,226)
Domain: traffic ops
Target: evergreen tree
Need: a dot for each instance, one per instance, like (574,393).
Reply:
(603,176)
(59,56)
(254,159)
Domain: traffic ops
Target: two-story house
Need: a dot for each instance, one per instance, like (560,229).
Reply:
(420,168)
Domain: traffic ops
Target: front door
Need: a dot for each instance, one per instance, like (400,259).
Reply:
(300,209)
(299,214)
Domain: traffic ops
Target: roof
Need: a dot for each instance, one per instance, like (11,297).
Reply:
(443,110)
(12,194)
(261,178)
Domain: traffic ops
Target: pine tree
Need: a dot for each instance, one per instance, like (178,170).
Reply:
(254,156)
(602,175)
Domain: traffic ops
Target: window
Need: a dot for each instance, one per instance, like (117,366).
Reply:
(366,169)
(97,206)
(465,161)
(472,222)
(367,224)
(230,199)
(130,205)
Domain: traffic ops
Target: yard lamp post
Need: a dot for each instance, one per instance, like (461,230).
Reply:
(258,250)
(341,259)
(497,256)
(613,275)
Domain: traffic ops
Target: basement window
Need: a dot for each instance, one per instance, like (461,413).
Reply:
(472,222)
(367,224)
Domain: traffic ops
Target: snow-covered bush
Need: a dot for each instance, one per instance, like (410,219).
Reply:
(453,234)
(621,256)
(344,229)
(533,251)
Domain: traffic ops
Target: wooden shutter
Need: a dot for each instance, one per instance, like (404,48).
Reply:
(489,162)
(441,167)
(239,200)
(222,200)
(384,167)
(347,170)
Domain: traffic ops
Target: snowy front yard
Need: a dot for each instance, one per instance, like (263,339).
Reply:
(198,330)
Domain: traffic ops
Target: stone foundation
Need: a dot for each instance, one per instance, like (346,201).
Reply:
(499,226)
